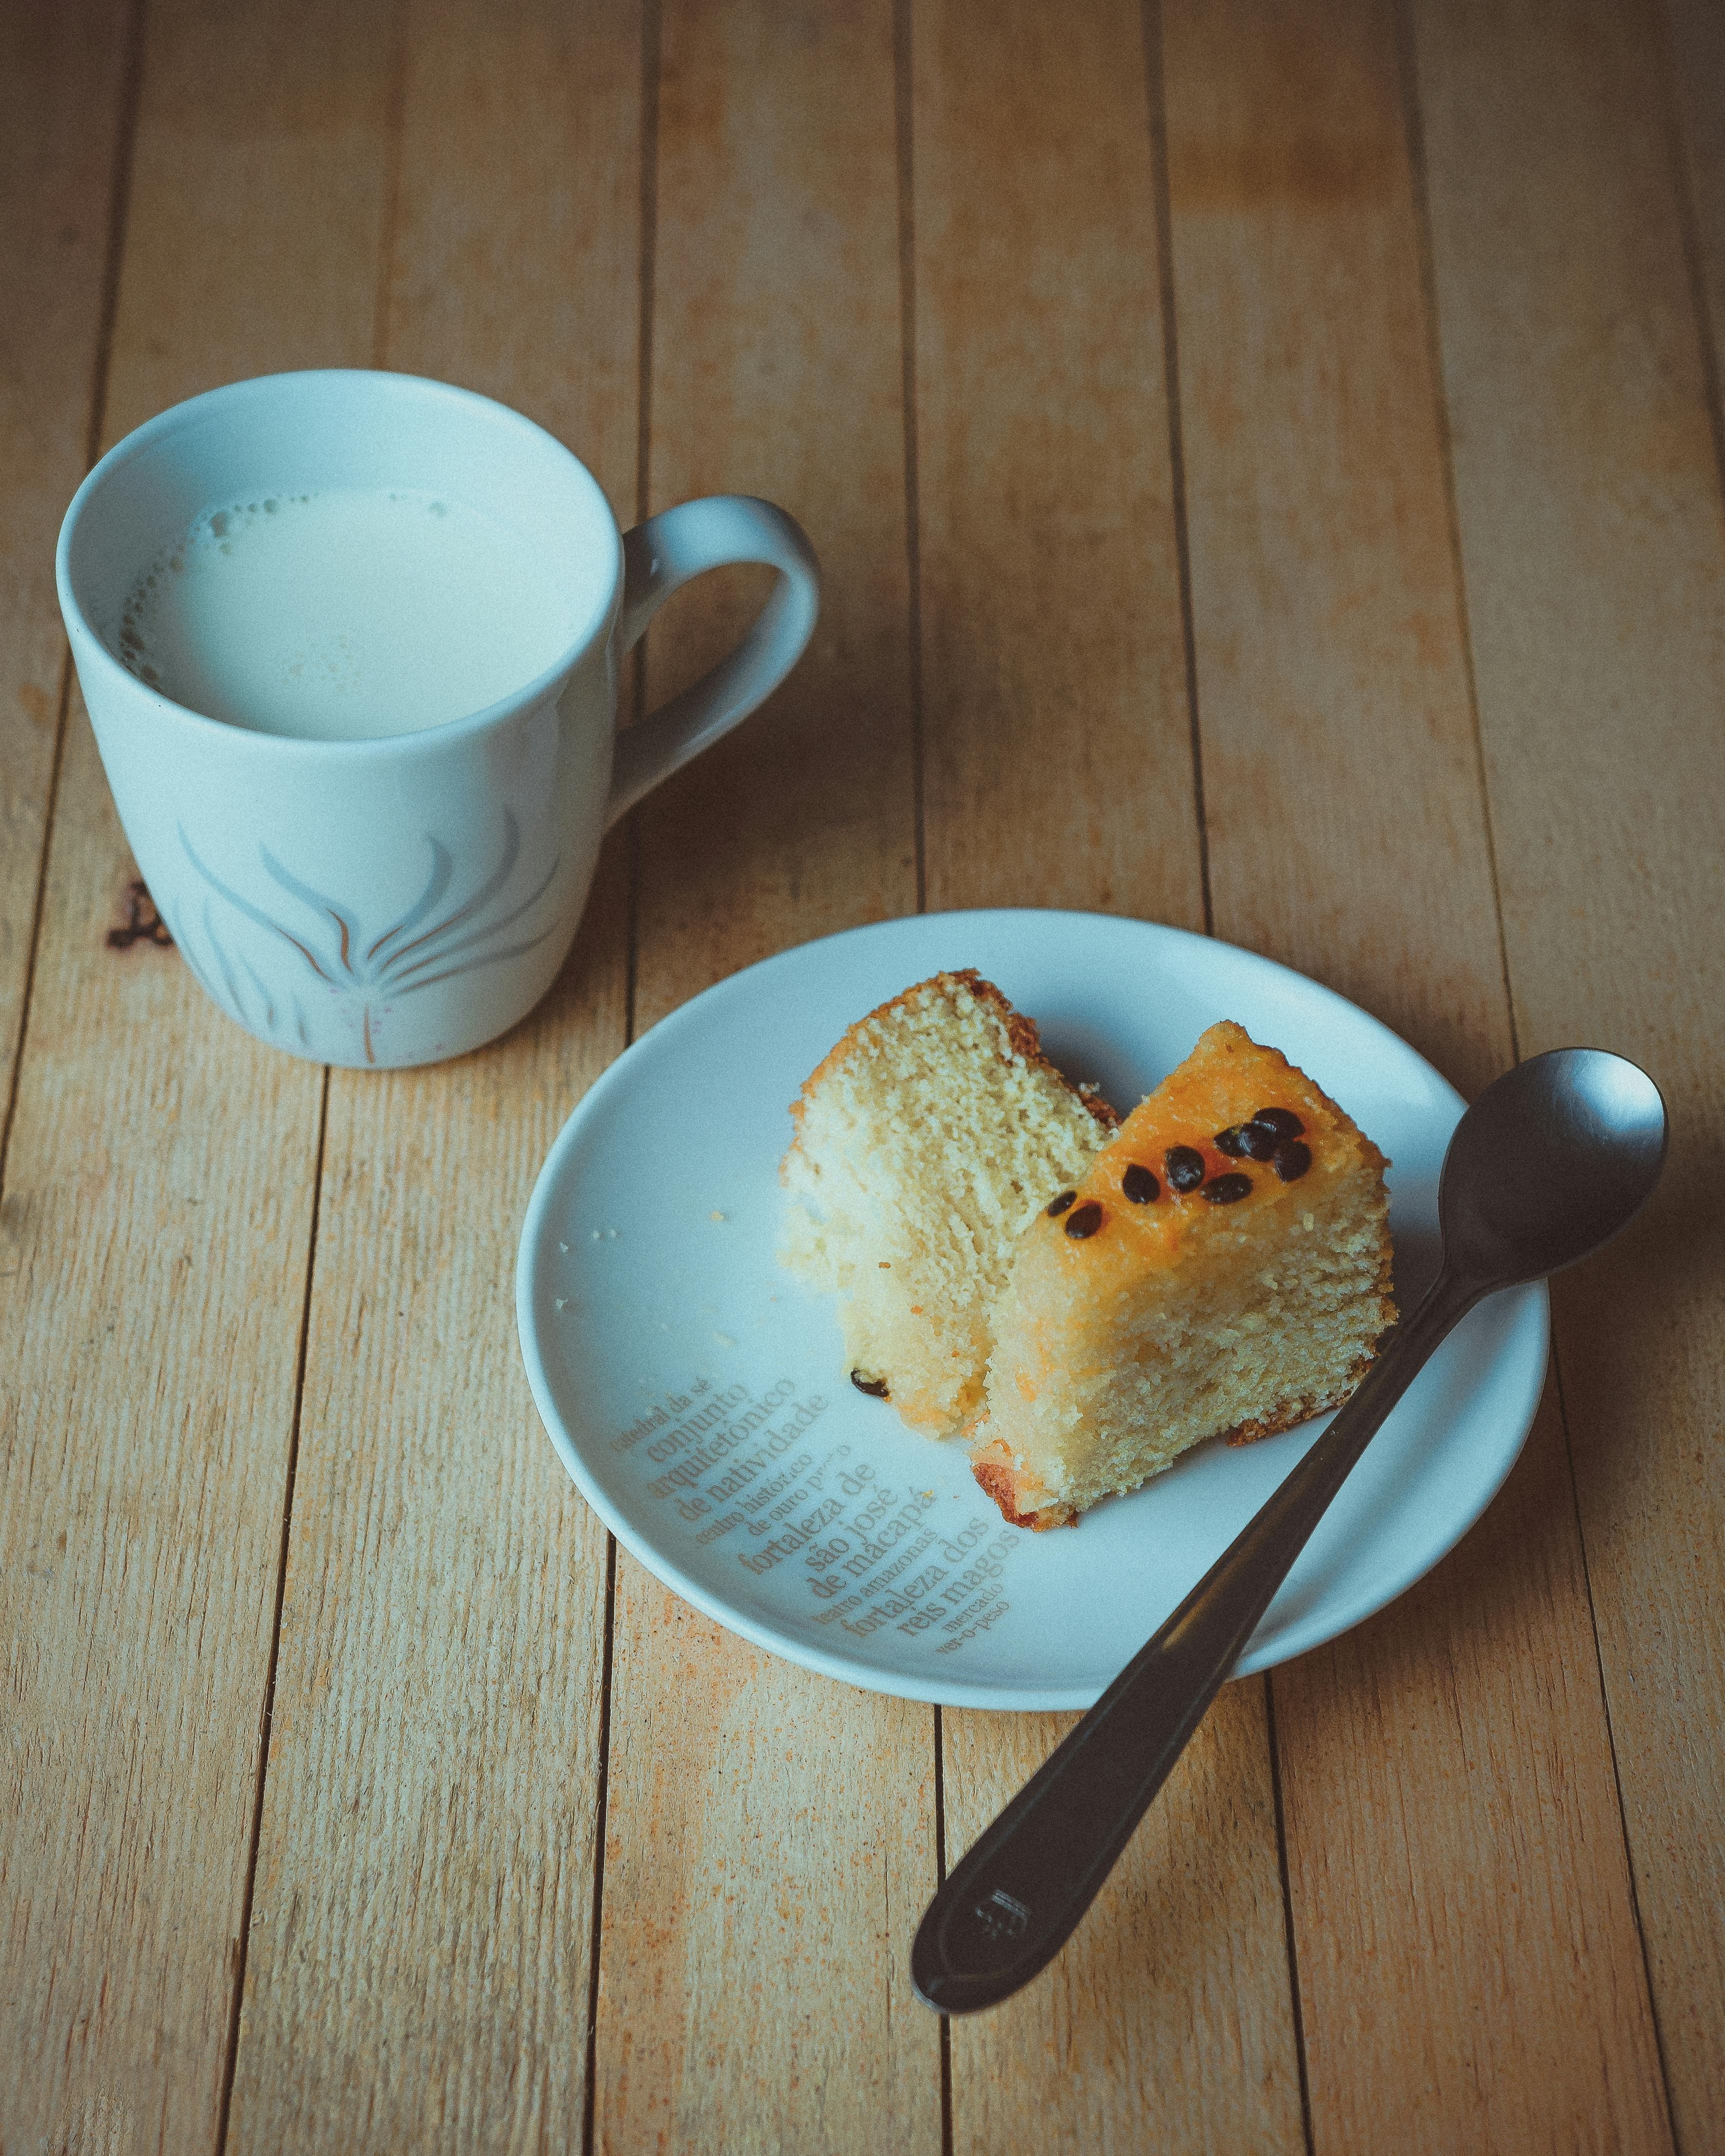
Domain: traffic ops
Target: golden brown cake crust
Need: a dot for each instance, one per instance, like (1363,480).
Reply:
(1296,1412)
(1015,1492)
(1021,1033)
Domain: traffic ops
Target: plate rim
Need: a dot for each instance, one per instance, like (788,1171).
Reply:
(1298,1639)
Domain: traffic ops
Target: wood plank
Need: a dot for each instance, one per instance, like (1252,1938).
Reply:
(777,370)
(1060,774)
(1694,57)
(1588,497)
(420,1955)
(1167,2022)
(770,1836)
(158,1209)
(1469,1966)
(769,1849)
(62,82)
(421,1918)
(1332,675)
(1059,753)
(259,197)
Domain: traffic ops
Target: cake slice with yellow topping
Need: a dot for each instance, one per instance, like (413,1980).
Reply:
(1221,1268)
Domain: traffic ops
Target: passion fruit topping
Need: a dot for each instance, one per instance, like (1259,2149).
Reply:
(1290,1160)
(1184,1168)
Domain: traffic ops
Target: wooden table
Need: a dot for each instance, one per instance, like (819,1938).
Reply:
(1266,462)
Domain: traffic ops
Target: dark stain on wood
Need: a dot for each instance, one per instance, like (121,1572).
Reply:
(143,924)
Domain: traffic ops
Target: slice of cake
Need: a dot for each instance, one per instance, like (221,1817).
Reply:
(1223,1267)
(925,1140)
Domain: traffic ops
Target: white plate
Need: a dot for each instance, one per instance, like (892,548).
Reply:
(688,1382)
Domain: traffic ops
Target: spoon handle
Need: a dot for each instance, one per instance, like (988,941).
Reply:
(1013,1901)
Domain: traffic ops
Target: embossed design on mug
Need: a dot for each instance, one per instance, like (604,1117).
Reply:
(369,974)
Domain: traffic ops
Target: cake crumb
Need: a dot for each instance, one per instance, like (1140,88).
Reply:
(940,1104)
(717,1216)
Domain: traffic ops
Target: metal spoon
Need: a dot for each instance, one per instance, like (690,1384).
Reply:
(1547,1164)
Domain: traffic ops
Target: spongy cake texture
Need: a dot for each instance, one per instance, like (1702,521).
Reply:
(925,1140)
(1141,1317)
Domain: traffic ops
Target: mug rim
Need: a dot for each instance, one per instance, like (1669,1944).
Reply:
(146,436)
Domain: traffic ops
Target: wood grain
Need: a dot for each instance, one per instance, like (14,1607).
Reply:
(770,1848)
(420,1967)
(1167,2022)
(62,147)
(1694,69)
(770,1834)
(1588,498)
(157,1205)
(1470,1971)
(158,1211)
(1060,774)
(259,197)
(776,370)
(1058,736)
(1340,770)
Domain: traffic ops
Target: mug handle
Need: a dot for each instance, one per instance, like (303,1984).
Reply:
(663,553)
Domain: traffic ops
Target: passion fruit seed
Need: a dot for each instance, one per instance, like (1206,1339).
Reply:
(1228,1189)
(1084,1221)
(876,1387)
(1290,1160)
(1252,1141)
(1184,1165)
(1282,1121)
(1056,1206)
(1140,1185)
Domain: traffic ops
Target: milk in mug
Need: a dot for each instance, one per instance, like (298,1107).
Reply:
(347,614)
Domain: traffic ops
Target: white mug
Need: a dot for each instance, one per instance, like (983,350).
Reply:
(388,902)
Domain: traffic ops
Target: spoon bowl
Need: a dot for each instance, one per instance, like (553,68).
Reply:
(1553,1159)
